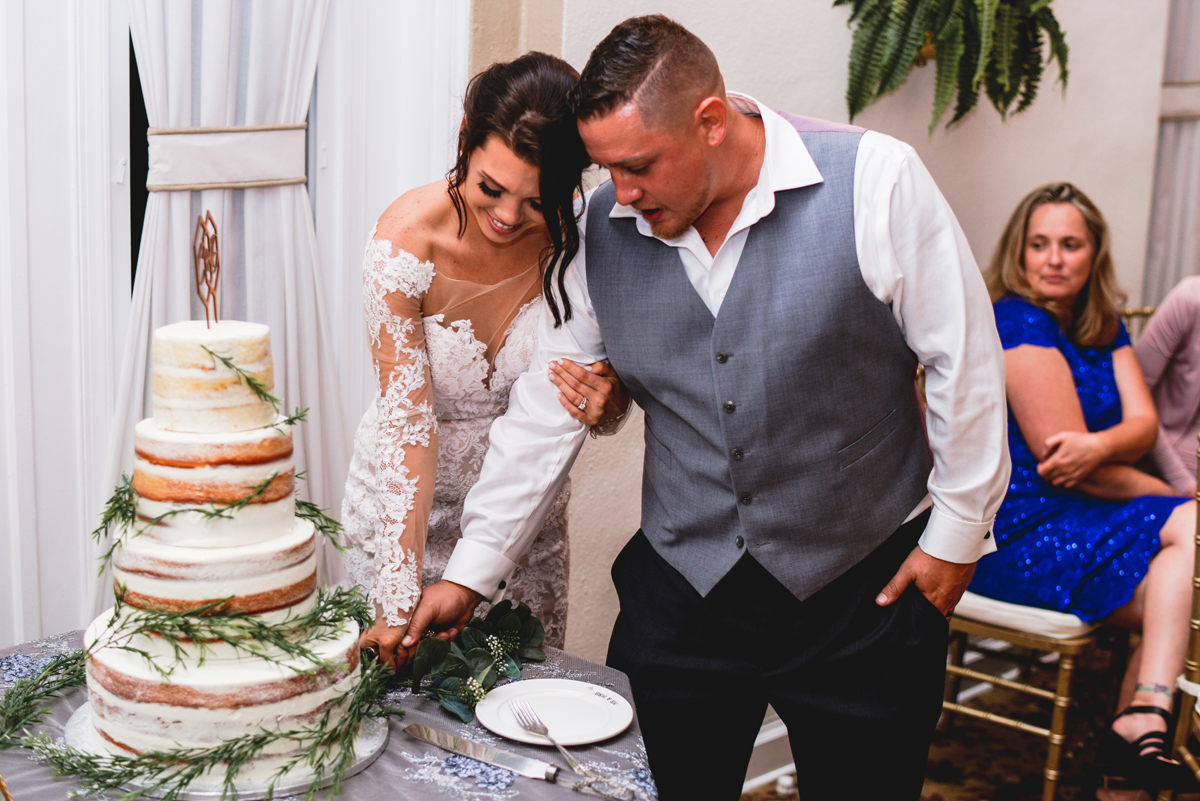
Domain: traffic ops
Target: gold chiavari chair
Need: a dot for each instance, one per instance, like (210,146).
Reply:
(1136,319)
(1038,630)
(4,792)
(1187,729)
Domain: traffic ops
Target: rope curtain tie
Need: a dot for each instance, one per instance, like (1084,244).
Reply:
(226,157)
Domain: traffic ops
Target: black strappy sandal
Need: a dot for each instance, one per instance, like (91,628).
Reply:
(1144,763)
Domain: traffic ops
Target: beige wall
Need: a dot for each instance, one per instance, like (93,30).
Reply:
(1102,135)
(793,56)
(501,30)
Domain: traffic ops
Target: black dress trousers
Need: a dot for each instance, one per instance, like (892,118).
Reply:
(859,686)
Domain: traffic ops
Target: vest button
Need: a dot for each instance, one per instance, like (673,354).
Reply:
(736,453)
(746,499)
(722,357)
(739,542)
(729,406)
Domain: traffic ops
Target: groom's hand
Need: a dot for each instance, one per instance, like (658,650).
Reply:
(446,608)
(943,583)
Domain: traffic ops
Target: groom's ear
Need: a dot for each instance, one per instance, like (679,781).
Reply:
(710,117)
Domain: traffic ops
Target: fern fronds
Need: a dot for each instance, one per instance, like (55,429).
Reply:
(986,15)
(1004,43)
(1057,44)
(908,41)
(1031,51)
(950,50)
(865,64)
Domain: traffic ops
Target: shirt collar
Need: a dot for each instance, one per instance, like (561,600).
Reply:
(787,163)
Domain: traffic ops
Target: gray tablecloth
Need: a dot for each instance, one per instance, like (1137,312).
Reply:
(408,768)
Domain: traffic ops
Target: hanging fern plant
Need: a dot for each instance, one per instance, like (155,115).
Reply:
(993,45)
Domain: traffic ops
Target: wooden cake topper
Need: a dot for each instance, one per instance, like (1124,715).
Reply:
(208,265)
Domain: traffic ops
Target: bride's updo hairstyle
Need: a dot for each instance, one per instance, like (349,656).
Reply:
(1095,319)
(524,104)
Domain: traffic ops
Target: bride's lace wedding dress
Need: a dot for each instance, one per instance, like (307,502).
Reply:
(446,353)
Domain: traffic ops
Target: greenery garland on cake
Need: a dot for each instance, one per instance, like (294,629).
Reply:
(459,675)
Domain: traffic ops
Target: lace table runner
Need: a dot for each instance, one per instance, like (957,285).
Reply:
(408,768)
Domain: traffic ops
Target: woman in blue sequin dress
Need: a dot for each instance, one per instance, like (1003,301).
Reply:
(1081,530)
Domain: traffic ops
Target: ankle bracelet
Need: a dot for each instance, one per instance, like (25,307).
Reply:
(1160,689)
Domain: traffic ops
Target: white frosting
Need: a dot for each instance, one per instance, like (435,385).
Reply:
(107,631)
(186,443)
(154,726)
(225,334)
(226,475)
(195,392)
(149,567)
(255,523)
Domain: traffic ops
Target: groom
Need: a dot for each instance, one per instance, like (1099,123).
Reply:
(765,285)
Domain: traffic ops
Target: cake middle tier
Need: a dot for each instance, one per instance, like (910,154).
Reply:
(255,578)
(177,472)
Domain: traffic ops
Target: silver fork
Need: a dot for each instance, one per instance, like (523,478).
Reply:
(528,720)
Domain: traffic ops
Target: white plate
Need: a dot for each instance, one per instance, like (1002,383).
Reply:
(575,712)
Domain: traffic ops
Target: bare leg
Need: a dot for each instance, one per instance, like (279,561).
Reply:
(1160,610)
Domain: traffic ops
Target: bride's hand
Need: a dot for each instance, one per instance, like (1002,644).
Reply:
(385,640)
(596,386)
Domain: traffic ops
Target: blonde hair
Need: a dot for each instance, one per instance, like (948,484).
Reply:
(1094,320)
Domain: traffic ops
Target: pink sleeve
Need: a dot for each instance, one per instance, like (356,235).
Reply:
(1167,334)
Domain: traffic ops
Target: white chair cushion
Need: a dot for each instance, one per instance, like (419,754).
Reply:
(1029,619)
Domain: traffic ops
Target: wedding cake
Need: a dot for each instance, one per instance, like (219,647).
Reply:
(216,530)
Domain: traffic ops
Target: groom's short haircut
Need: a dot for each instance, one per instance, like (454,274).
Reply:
(655,63)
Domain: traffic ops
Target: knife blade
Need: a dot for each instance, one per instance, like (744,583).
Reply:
(521,765)
(524,766)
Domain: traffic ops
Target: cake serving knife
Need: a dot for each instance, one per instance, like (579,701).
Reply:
(521,765)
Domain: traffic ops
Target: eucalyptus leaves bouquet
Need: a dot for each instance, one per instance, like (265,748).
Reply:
(490,648)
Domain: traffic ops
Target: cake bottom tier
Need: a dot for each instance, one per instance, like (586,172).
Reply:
(135,710)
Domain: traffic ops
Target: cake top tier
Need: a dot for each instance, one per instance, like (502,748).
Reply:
(195,390)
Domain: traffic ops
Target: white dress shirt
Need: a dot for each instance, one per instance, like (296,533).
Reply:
(912,255)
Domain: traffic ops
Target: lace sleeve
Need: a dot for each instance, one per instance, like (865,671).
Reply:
(405,466)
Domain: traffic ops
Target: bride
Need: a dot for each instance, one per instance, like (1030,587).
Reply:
(453,280)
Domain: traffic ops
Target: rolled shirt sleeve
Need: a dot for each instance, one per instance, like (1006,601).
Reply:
(914,257)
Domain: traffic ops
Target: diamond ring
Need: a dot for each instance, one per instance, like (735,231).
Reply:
(583,404)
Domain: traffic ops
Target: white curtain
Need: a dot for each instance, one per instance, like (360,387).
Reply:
(1173,251)
(236,63)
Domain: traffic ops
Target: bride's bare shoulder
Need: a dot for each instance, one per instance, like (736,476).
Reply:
(418,220)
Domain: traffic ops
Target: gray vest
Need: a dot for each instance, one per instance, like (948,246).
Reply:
(786,427)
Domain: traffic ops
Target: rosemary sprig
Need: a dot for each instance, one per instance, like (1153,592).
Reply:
(300,415)
(329,528)
(253,384)
(122,509)
(245,633)
(23,705)
(327,749)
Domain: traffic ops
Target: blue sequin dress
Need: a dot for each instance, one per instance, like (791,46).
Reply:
(1058,548)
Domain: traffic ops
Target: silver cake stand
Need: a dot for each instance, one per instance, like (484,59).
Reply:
(368,745)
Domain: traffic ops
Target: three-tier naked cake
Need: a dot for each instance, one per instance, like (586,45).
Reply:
(214,442)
